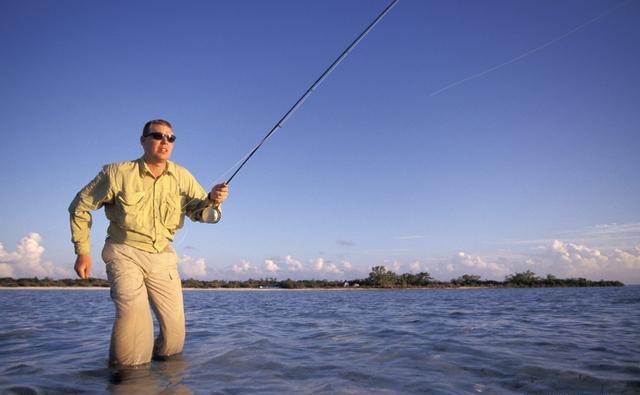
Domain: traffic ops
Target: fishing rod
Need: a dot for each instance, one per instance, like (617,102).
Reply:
(329,69)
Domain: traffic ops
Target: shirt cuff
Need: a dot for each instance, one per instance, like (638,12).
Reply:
(82,249)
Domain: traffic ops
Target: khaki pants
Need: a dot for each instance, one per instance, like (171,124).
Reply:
(140,279)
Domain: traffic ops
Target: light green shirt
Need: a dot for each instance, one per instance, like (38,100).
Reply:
(145,212)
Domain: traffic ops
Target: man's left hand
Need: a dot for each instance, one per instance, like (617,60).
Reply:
(219,194)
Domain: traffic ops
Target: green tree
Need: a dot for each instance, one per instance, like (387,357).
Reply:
(381,277)
(467,279)
(528,279)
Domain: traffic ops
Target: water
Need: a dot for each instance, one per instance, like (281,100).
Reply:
(500,341)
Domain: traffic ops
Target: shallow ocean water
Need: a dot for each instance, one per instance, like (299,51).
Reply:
(489,341)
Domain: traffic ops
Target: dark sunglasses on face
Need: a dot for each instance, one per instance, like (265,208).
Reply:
(160,136)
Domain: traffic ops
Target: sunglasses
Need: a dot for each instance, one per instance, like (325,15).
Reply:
(160,136)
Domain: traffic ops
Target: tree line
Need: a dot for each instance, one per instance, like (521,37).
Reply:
(48,282)
(379,277)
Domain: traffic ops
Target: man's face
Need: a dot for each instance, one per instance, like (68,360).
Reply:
(157,151)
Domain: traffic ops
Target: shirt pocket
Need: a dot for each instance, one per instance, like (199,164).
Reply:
(172,215)
(130,210)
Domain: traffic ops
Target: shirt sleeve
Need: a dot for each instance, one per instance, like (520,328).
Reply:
(90,198)
(198,207)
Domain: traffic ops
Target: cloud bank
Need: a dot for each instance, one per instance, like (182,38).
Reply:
(192,267)
(577,260)
(610,253)
(27,260)
(289,266)
(560,258)
(479,264)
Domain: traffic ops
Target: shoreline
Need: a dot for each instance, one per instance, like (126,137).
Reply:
(248,289)
(353,289)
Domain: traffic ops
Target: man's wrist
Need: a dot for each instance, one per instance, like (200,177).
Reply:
(82,250)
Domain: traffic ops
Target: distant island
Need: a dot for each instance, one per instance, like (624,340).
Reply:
(379,277)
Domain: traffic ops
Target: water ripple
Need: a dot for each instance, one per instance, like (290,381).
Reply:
(503,341)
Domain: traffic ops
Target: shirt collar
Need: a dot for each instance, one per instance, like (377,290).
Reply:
(144,169)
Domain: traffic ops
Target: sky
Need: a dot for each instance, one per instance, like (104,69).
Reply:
(459,137)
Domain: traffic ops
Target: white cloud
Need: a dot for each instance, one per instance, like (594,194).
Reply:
(410,237)
(192,268)
(271,266)
(479,265)
(606,235)
(321,266)
(627,259)
(6,270)
(318,265)
(575,259)
(290,267)
(565,259)
(332,268)
(243,267)
(560,258)
(293,265)
(26,260)
(557,257)
(603,237)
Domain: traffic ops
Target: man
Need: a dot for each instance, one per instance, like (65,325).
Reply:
(145,201)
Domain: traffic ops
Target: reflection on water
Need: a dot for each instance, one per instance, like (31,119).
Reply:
(503,341)
(158,377)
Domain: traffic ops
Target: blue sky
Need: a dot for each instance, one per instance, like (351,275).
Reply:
(533,165)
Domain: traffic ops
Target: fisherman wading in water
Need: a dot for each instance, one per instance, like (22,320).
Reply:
(145,201)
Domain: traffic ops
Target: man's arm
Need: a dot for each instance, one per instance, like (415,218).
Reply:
(90,198)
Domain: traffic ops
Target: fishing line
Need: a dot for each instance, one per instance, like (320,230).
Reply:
(531,51)
(302,99)
(235,165)
(220,178)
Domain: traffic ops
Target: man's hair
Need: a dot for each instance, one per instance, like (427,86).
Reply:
(147,126)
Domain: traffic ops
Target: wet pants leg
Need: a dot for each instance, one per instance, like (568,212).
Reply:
(141,281)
